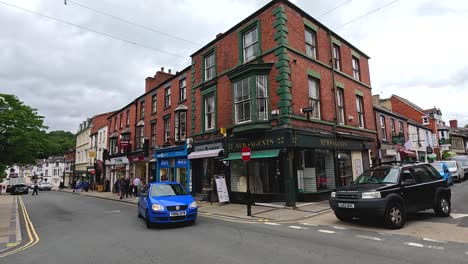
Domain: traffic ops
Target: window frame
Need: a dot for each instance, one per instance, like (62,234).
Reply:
(140,136)
(206,94)
(121,117)
(167,97)
(313,44)
(167,129)
(392,127)
(206,68)
(356,68)
(341,106)
(178,126)
(383,127)
(400,128)
(336,57)
(153,133)
(253,98)
(183,90)
(154,103)
(360,111)
(128,117)
(115,123)
(311,99)
(142,109)
(258,50)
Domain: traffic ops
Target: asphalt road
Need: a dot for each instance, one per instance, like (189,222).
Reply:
(79,229)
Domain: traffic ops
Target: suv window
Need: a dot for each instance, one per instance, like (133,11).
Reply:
(435,175)
(406,174)
(145,189)
(421,175)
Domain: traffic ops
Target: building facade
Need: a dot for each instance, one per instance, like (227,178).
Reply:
(83,144)
(98,147)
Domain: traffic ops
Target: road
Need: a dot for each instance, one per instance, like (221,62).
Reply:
(79,229)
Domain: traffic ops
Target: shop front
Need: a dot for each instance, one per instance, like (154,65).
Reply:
(205,161)
(173,165)
(139,167)
(294,165)
(118,167)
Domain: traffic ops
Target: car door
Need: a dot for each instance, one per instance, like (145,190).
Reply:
(409,192)
(424,186)
(143,200)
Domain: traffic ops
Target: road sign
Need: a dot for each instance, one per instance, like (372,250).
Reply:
(245,153)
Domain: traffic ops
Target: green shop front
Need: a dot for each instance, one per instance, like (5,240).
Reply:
(290,165)
(173,165)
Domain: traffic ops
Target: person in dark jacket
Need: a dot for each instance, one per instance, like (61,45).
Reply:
(35,188)
(127,186)
(122,189)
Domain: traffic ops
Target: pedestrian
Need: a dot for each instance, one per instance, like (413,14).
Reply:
(136,181)
(127,186)
(74,185)
(122,190)
(35,188)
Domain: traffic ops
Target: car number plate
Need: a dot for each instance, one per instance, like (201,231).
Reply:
(177,213)
(345,205)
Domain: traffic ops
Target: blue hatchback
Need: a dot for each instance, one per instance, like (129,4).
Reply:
(166,202)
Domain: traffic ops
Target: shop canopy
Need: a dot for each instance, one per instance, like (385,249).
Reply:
(259,154)
(205,154)
(407,153)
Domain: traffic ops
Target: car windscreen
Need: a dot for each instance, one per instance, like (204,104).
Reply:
(167,190)
(451,164)
(438,167)
(464,162)
(379,175)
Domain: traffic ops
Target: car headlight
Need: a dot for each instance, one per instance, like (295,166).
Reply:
(371,195)
(157,207)
(333,194)
(193,204)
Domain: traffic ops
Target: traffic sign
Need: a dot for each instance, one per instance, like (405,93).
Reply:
(245,153)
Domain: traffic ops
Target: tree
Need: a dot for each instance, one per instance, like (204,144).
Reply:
(466,126)
(21,132)
(56,143)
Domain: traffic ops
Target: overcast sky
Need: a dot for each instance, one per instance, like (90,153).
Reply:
(417,49)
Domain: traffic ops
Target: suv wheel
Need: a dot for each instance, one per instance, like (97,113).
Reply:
(343,217)
(395,216)
(443,206)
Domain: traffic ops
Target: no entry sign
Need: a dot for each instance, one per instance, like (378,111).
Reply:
(245,153)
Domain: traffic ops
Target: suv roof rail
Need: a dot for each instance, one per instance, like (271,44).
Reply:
(395,162)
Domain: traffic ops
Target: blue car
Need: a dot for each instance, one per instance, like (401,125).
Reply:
(166,202)
(442,168)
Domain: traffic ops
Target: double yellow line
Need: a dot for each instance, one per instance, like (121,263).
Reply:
(33,237)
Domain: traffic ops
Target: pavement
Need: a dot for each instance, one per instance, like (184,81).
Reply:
(10,231)
(82,229)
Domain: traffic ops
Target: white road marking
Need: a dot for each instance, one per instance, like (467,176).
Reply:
(298,227)
(115,211)
(456,216)
(273,224)
(326,231)
(414,244)
(340,228)
(434,240)
(436,247)
(466,253)
(369,237)
(309,224)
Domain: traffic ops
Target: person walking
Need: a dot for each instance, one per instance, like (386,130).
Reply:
(136,182)
(35,188)
(122,190)
(127,186)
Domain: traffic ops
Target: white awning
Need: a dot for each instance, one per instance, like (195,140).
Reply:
(204,154)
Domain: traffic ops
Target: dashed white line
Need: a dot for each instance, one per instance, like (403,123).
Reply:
(414,244)
(435,247)
(273,224)
(434,240)
(298,227)
(326,231)
(340,228)
(369,237)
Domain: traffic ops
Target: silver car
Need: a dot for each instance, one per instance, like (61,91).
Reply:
(456,169)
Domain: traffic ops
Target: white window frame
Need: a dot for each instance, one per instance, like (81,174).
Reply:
(252,45)
(383,127)
(154,103)
(209,107)
(183,89)
(336,57)
(167,97)
(180,127)
(341,106)
(210,66)
(314,97)
(311,43)
(167,129)
(243,100)
(392,127)
(356,68)
(153,134)
(360,110)
(261,88)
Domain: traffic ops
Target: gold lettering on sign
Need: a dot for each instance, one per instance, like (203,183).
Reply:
(333,143)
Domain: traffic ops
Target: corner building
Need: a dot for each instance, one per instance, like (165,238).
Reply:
(292,90)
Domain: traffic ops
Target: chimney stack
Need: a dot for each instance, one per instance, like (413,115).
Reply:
(219,35)
(162,69)
(454,123)
(169,71)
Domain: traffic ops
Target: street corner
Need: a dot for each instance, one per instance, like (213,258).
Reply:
(20,234)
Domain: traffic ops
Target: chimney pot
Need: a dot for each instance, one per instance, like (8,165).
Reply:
(453,123)
(169,71)
(162,69)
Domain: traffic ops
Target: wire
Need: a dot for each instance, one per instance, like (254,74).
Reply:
(373,11)
(328,12)
(94,31)
(133,23)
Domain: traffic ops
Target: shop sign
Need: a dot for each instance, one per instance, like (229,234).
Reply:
(181,163)
(91,154)
(124,143)
(263,143)
(208,147)
(171,154)
(118,160)
(165,163)
(137,158)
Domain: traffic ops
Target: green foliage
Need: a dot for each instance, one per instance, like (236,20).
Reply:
(56,143)
(466,126)
(21,131)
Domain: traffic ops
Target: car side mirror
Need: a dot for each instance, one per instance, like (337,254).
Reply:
(408,182)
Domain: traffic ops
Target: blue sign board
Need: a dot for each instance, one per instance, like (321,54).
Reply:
(165,163)
(181,163)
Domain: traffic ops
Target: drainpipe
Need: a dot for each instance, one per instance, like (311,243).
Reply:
(379,146)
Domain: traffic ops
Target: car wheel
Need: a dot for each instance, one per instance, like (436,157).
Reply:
(395,216)
(443,206)
(343,217)
(148,221)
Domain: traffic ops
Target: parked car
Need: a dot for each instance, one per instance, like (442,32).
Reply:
(45,186)
(443,170)
(166,202)
(464,163)
(19,189)
(456,170)
(390,191)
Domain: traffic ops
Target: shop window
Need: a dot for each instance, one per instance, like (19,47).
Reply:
(318,172)
(345,170)
(265,176)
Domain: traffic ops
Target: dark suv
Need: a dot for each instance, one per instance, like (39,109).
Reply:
(389,191)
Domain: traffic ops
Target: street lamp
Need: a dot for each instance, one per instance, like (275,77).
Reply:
(307,111)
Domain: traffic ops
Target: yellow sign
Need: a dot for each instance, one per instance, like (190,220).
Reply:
(91,154)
